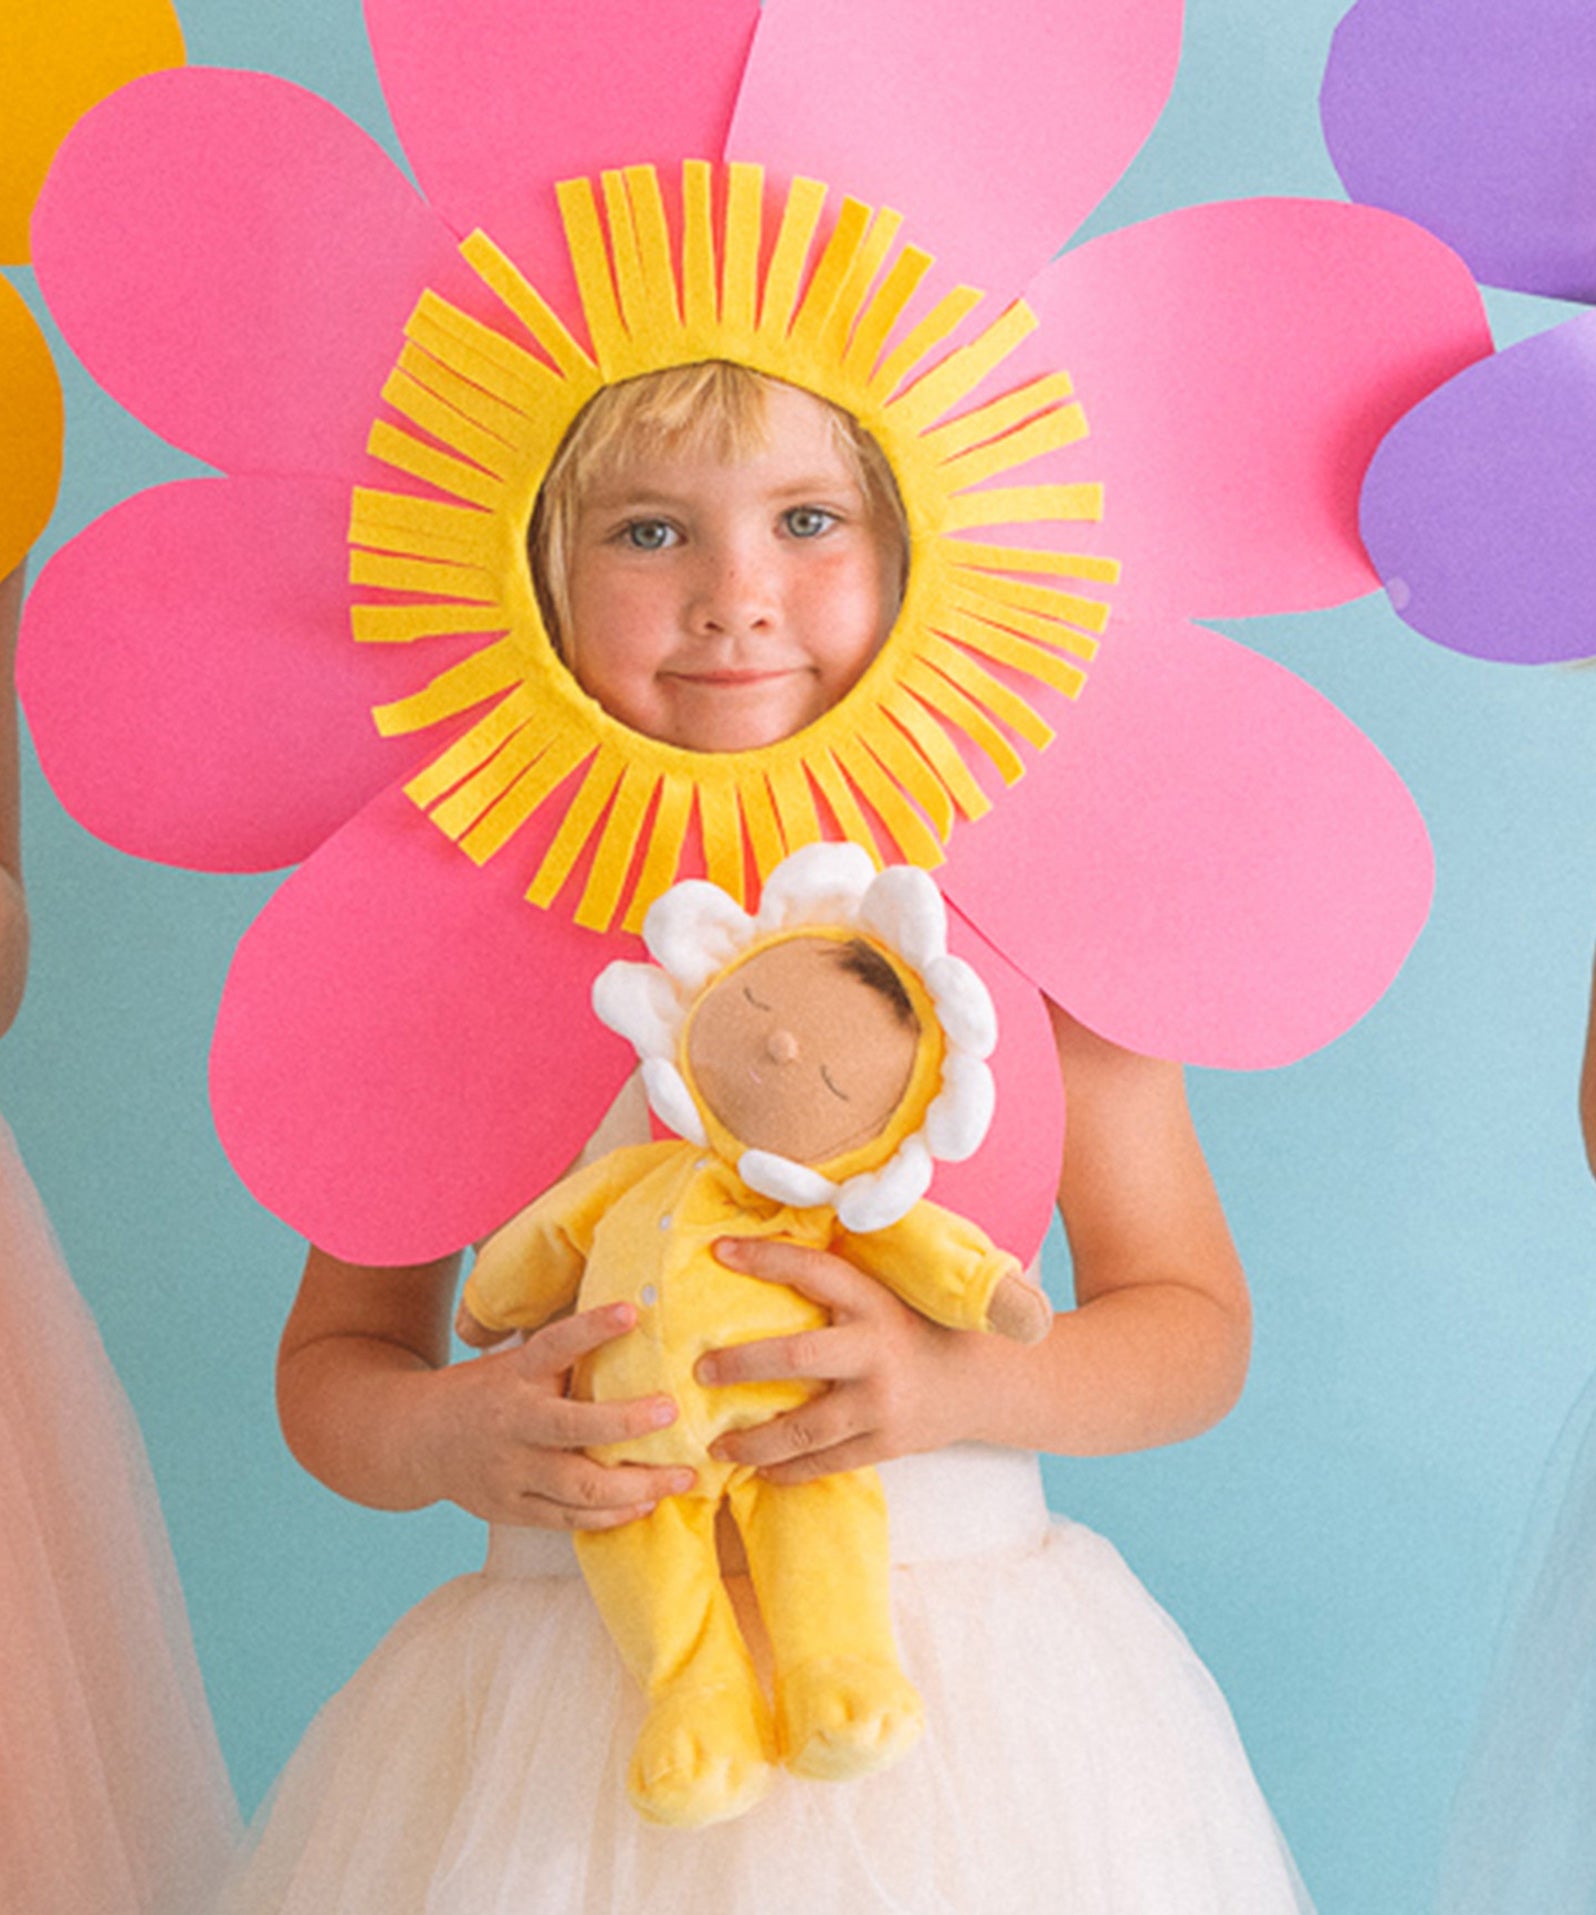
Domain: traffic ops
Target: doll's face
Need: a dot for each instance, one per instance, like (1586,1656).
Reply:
(796,1053)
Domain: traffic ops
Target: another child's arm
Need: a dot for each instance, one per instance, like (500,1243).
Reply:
(13,903)
(1156,1349)
(1587,1085)
(371,1405)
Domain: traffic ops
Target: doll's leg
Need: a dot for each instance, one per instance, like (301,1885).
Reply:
(704,1750)
(819,1558)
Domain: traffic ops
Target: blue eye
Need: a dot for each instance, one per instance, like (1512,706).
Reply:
(649,535)
(808,521)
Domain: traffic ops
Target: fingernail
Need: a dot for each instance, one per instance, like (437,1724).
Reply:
(717,1449)
(706,1369)
(682,1481)
(662,1412)
(729,1249)
(622,1315)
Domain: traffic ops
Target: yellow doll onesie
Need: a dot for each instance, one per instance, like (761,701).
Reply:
(811,1061)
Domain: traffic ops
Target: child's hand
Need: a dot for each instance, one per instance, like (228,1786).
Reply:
(506,1441)
(897,1384)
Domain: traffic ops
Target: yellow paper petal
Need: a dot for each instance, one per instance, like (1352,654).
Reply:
(30,429)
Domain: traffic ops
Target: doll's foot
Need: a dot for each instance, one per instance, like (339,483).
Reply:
(846,1716)
(702,1756)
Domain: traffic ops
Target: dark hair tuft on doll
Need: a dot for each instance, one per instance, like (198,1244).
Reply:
(866,963)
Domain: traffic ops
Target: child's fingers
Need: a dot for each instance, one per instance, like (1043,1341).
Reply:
(825,1355)
(816,1274)
(539,1512)
(819,1427)
(573,1492)
(565,1423)
(859,1453)
(557,1346)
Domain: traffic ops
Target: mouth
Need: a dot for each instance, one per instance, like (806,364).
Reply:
(733,680)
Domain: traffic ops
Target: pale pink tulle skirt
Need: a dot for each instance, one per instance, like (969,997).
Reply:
(113,1796)
(1077,1757)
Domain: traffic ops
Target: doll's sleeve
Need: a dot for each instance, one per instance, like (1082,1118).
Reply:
(941,1264)
(532,1268)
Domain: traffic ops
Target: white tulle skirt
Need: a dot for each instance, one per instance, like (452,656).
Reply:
(1077,1756)
(113,1797)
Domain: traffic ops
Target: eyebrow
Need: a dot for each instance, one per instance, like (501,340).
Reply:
(643,499)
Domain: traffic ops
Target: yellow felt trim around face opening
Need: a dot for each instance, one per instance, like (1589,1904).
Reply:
(824,305)
(925,1075)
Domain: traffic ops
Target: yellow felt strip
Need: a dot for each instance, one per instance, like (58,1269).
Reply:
(698,244)
(395,574)
(505,422)
(957,376)
(421,528)
(745,193)
(500,273)
(867,262)
(1045,600)
(833,267)
(930,738)
(404,624)
(884,311)
(602,894)
(722,830)
(475,796)
(799,219)
(759,819)
(590,260)
(910,832)
(949,312)
(425,409)
(664,856)
(1001,700)
(838,793)
(795,805)
(998,415)
(1051,432)
(660,315)
(494,669)
(1020,653)
(398,448)
(623,249)
(506,818)
(1024,505)
(912,774)
(1021,558)
(474,747)
(477,352)
(957,708)
(576,827)
(1015,618)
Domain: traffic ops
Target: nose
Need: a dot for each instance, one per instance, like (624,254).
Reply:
(736,595)
(782,1047)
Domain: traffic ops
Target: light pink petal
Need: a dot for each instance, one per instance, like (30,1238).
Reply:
(191,683)
(1210,863)
(1010,1185)
(993,129)
(235,261)
(1238,364)
(405,1052)
(494,109)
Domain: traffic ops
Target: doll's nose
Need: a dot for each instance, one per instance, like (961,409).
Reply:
(782,1047)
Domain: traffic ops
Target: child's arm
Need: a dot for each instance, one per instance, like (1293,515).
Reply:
(13,903)
(1156,1349)
(1587,1085)
(371,1405)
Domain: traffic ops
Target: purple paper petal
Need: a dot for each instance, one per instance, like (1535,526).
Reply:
(1477,118)
(1479,509)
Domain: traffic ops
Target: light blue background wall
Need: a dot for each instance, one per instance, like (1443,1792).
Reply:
(1412,1203)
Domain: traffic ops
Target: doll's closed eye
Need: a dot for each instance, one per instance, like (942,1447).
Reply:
(835,1090)
(754,1000)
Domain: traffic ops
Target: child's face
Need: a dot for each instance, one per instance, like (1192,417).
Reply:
(723,606)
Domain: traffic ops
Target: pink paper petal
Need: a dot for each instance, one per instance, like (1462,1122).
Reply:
(492,112)
(1210,863)
(1010,1185)
(1238,364)
(993,129)
(235,261)
(405,1052)
(191,683)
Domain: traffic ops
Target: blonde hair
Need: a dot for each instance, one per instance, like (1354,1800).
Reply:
(714,407)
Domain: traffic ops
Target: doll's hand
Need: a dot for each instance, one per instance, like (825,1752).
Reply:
(507,1441)
(893,1383)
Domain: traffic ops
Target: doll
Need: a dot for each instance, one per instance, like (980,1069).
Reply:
(813,1062)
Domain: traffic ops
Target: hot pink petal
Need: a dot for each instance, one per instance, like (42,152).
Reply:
(1210,863)
(1009,1185)
(994,129)
(405,1052)
(1238,364)
(190,680)
(234,260)
(494,112)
